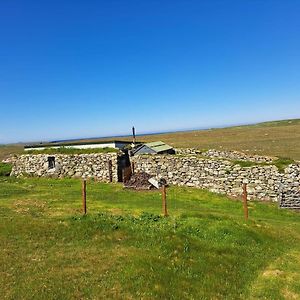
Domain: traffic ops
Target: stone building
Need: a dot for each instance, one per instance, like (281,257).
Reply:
(212,170)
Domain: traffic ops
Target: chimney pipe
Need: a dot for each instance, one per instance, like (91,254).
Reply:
(133,135)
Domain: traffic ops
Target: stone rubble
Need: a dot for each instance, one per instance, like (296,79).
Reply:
(139,181)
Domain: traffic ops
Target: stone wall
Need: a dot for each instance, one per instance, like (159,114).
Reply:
(236,155)
(77,165)
(217,175)
(290,196)
(225,154)
(187,151)
(221,176)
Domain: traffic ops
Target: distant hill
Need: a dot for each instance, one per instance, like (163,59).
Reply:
(275,138)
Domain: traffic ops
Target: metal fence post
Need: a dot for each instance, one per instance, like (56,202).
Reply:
(164,200)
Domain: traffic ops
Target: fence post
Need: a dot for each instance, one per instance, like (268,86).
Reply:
(110,170)
(245,194)
(84,196)
(164,200)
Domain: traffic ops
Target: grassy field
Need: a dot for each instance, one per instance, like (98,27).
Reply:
(6,150)
(123,249)
(280,138)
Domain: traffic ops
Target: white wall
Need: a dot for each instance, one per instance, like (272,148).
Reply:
(83,146)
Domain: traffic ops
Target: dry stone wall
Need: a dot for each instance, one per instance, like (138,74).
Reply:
(217,175)
(236,155)
(225,154)
(187,151)
(77,165)
(221,176)
(290,196)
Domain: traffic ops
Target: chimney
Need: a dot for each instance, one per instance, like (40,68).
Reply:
(133,135)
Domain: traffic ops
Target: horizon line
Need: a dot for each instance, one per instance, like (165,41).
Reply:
(154,133)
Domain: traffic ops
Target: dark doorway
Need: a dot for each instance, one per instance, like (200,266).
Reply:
(123,166)
(51,162)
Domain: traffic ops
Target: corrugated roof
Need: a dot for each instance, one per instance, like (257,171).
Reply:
(159,146)
(162,148)
(154,144)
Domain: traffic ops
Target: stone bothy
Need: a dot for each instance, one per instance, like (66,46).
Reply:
(215,173)
(64,165)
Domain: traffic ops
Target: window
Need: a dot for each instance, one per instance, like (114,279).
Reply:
(51,162)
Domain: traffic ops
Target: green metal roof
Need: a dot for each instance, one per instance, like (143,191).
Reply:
(158,146)
(153,144)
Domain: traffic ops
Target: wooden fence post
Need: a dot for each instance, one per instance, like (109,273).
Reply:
(84,196)
(245,194)
(164,200)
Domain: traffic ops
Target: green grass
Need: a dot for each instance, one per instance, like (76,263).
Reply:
(280,163)
(124,249)
(64,150)
(5,169)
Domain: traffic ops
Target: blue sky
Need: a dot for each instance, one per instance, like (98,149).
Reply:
(94,68)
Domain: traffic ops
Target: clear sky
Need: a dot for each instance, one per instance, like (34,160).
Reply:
(93,68)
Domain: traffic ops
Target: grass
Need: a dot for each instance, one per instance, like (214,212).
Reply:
(5,169)
(278,138)
(64,150)
(280,163)
(124,249)
(6,150)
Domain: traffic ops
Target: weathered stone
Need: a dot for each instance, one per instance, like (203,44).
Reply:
(77,165)
(222,176)
(219,175)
